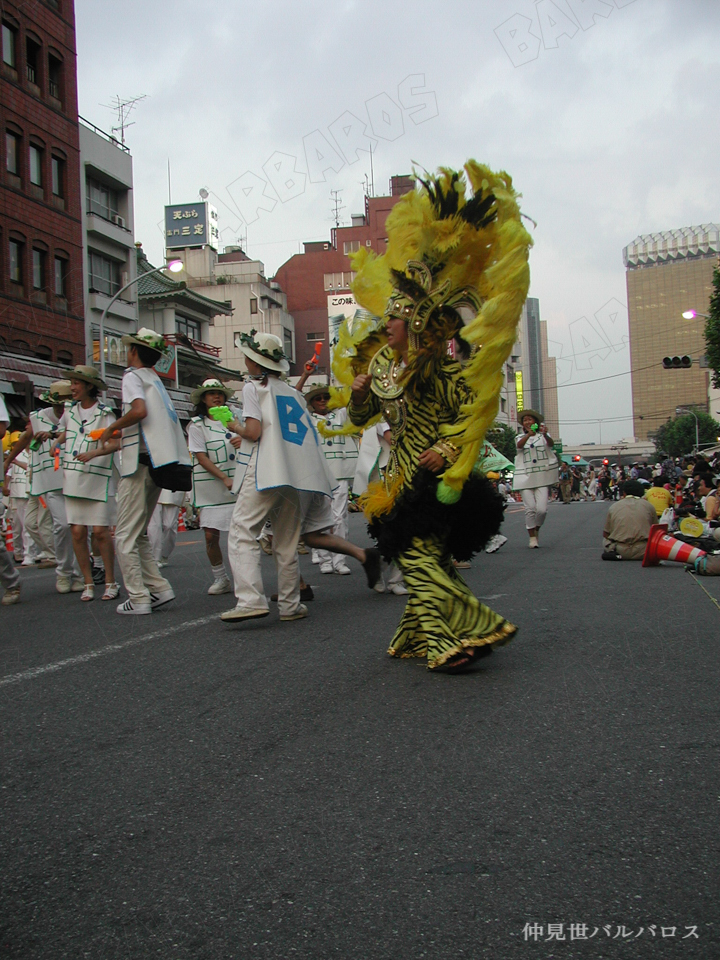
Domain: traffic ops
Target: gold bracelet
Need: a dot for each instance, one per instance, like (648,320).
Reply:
(448,451)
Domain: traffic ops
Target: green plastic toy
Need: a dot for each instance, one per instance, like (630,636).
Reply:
(223,414)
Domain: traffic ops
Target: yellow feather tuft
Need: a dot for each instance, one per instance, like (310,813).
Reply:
(379,498)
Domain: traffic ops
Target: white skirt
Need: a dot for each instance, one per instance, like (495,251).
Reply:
(91,513)
(216,518)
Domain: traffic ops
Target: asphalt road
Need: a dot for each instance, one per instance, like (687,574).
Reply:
(175,787)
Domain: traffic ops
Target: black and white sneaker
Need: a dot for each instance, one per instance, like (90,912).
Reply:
(159,599)
(138,609)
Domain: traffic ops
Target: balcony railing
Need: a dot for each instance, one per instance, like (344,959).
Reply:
(206,348)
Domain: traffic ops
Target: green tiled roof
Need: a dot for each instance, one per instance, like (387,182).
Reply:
(158,286)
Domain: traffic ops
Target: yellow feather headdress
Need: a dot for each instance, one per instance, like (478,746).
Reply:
(457,242)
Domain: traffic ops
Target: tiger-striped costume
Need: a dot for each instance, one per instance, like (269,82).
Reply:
(442,616)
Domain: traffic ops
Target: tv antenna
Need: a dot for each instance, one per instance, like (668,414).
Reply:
(335,200)
(123,109)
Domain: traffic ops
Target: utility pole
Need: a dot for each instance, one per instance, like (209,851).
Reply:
(335,200)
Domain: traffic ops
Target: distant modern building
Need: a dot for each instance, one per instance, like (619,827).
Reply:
(668,274)
(109,260)
(255,302)
(41,289)
(317,281)
(536,386)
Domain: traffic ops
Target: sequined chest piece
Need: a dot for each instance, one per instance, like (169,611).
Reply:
(385,372)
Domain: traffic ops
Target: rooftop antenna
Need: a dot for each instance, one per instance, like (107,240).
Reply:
(123,109)
(372,174)
(335,200)
(365,184)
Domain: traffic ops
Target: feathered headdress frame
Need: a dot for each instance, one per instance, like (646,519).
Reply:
(464,233)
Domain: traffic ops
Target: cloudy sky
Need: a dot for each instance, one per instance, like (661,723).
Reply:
(605,114)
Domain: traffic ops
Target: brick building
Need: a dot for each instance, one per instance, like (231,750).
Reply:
(313,279)
(41,257)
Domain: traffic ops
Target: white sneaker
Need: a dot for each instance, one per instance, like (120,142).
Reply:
(533,544)
(12,595)
(327,567)
(300,613)
(379,587)
(62,584)
(158,599)
(399,589)
(220,586)
(77,585)
(133,608)
(497,541)
(343,569)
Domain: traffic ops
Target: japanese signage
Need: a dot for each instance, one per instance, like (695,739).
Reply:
(519,389)
(166,367)
(191,225)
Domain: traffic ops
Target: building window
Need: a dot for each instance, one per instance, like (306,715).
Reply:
(101,200)
(43,353)
(64,357)
(38,269)
(288,343)
(253,305)
(60,277)
(315,336)
(15,261)
(338,281)
(32,61)
(104,274)
(12,153)
(54,77)
(351,246)
(191,328)
(36,165)
(58,177)
(9,37)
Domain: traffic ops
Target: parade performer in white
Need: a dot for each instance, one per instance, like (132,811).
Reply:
(163,527)
(213,459)
(154,456)
(9,576)
(536,469)
(46,481)
(88,483)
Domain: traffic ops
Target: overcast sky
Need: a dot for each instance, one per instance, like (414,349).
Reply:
(608,126)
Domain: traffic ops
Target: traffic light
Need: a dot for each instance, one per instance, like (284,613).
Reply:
(676,363)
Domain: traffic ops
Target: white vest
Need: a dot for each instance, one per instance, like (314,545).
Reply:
(373,458)
(161,430)
(17,482)
(536,465)
(208,490)
(88,480)
(289,452)
(341,452)
(43,475)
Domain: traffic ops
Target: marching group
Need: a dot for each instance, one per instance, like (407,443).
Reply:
(86,488)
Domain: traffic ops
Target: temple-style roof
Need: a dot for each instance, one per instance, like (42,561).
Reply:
(159,286)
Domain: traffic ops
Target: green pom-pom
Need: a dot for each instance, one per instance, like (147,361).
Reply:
(446,494)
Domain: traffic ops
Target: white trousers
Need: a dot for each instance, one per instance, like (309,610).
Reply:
(535,502)
(64,553)
(137,497)
(340,524)
(24,546)
(38,522)
(9,577)
(162,530)
(281,506)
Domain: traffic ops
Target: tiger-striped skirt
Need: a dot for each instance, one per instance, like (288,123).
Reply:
(442,616)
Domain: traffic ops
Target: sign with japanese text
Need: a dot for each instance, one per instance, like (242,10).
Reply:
(191,225)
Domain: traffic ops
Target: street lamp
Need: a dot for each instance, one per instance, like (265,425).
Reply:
(175,266)
(684,410)
(691,314)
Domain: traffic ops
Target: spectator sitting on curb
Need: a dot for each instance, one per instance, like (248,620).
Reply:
(627,525)
(658,496)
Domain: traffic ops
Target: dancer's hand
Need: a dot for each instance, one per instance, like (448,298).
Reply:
(432,460)
(361,388)
(236,442)
(228,482)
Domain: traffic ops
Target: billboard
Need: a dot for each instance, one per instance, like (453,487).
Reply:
(191,225)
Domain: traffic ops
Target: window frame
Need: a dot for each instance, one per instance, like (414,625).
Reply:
(35,149)
(39,269)
(185,325)
(59,258)
(9,29)
(19,246)
(96,281)
(57,163)
(17,152)
(96,206)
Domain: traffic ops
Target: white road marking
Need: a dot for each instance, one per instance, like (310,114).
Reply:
(35,672)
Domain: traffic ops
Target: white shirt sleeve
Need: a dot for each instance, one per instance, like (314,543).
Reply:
(196,438)
(382,428)
(132,387)
(251,402)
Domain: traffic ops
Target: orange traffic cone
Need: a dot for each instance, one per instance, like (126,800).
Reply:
(661,546)
(9,546)
(181,521)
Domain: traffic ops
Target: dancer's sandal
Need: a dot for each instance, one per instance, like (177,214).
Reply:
(112,591)
(465,659)
(88,592)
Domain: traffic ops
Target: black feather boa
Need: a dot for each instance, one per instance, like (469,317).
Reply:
(466,526)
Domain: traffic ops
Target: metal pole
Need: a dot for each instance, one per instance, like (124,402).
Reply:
(105,312)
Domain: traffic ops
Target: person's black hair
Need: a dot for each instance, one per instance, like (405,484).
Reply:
(659,481)
(706,478)
(93,391)
(200,409)
(148,356)
(633,488)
